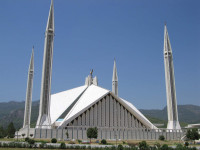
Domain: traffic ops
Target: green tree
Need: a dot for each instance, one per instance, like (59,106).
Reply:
(161,137)
(92,133)
(62,145)
(192,134)
(67,134)
(54,140)
(11,130)
(143,145)
(103,141)
(79,141)
(31,142)
(2,132)
(164,147)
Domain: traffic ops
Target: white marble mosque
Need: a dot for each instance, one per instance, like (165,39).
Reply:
(90,105)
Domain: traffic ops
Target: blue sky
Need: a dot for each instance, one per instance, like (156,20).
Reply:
(90,33)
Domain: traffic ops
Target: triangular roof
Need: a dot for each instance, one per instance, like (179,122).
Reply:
(89,97)
(82,98)
(61,101)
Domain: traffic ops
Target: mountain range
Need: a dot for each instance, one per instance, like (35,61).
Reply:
(14,112)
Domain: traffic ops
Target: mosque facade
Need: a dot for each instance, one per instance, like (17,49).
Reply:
(89,105)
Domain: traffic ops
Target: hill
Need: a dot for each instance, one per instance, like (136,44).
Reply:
(14,112)
(187,113)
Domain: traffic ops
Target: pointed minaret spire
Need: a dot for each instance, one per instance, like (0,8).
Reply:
(44,120)
(28,102)
(115,80)
(173,122)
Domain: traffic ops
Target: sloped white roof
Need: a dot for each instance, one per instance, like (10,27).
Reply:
(89,97)
(61,101)
(139,115)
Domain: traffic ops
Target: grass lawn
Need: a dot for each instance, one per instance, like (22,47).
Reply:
(24,149)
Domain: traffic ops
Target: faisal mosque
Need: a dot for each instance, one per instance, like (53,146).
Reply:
(90,105)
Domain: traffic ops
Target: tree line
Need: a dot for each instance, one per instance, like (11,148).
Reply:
(8,132)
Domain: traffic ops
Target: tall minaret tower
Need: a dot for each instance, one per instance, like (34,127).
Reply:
(115,80)
(27,111)
(44,120)
(173,122)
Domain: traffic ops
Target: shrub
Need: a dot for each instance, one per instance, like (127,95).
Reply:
(11,144)
(62,145)
(31,141)
(2,132)
(11,130)
(143,145)
(71,147)
(77,147)
(43,145)
(179,147)
(123,142)
(161,137)
(157,145)
(26,139)
(83,147)
(19,145)
(92,133)
(103,141)
(186,144)
(54,140)
(24,145)
(79,141)
(164,147)
(5,145)
(192,134)
(120,147)
(51,147)
(154,148)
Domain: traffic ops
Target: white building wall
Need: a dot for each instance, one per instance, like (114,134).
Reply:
(111,112)
(103,113)
(122,116)
(107,111)
(95,115)
(99,114)
(115,112)
(87,115)
(129,120)
(83,119)
(118,115)
(126,118)
(91,116)
(79,121)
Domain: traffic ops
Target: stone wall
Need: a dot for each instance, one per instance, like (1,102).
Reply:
(109,133)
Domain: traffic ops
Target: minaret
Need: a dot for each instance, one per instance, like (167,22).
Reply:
(44,120)
(115,80)
(173,122)
(28,102)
